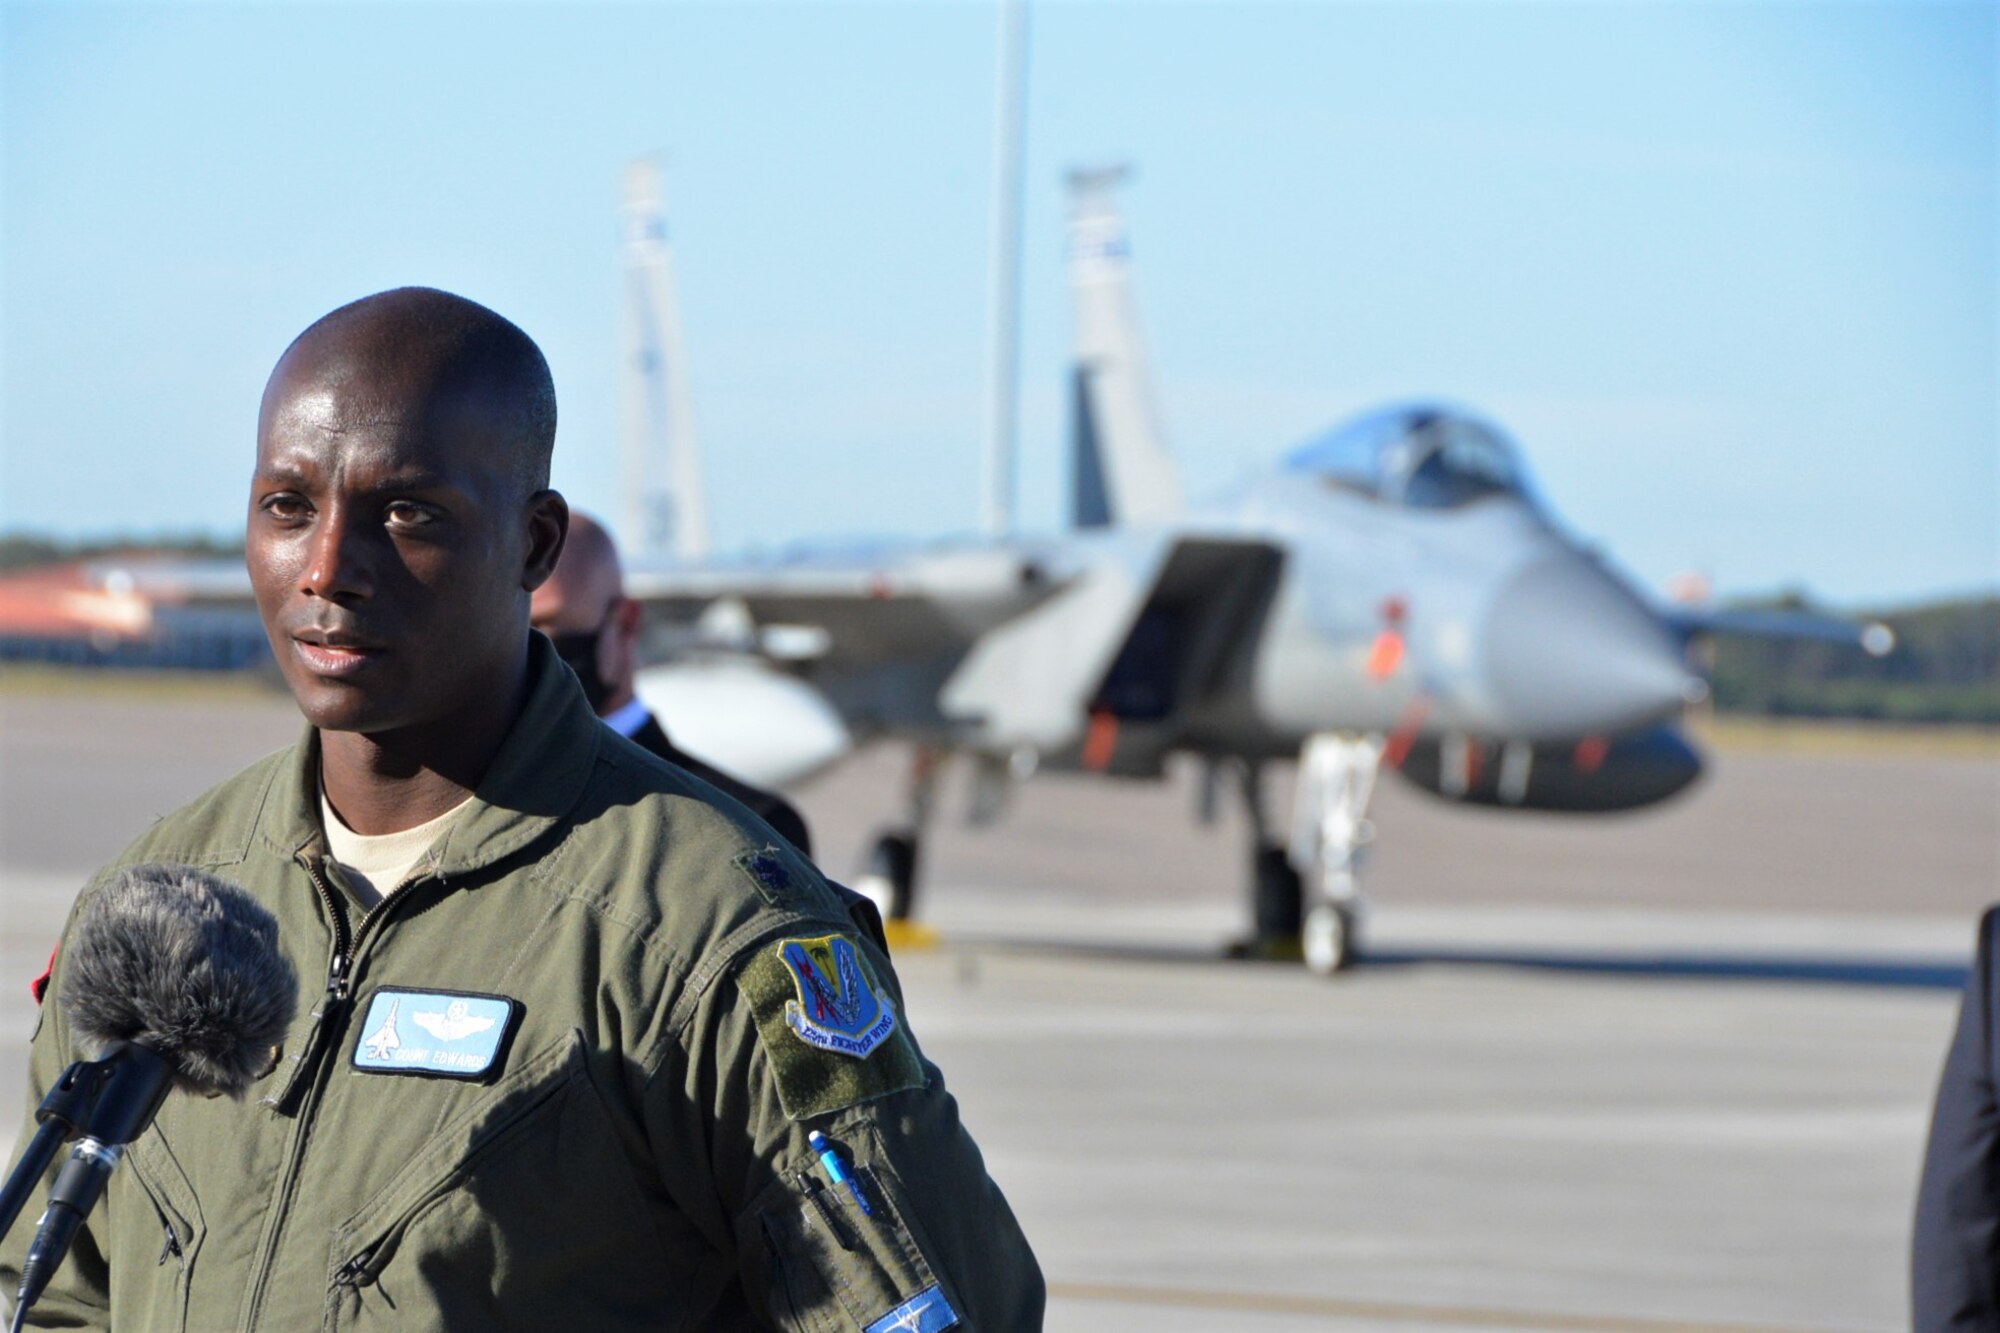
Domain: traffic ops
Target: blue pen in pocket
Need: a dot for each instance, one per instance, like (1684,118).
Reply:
(836,1170)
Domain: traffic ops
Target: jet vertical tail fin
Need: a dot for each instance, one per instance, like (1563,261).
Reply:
(666,510)
(1120,466)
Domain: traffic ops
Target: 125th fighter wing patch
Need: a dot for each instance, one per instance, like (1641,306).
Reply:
(827,1024)
(836,1009)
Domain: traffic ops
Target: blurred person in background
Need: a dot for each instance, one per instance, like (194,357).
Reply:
(595,628)
(1955,1253)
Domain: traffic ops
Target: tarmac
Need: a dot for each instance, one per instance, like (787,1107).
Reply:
(1661,1071)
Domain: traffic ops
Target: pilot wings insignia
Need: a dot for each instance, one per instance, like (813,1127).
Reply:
(837,1009)
(456,1022)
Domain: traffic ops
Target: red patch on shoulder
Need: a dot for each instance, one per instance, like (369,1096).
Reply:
(40,985)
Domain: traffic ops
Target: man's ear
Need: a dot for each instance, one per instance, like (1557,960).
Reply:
(628,613)
(548,530)
(621,646)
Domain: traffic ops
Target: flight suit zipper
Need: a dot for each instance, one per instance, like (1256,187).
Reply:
(332,1001)
(299,1098)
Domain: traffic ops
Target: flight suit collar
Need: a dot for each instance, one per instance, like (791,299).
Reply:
(536,778)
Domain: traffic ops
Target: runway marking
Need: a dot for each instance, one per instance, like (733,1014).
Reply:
(1244,1302)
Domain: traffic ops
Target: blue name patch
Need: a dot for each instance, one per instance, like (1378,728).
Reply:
(442,1034)
(926,1312)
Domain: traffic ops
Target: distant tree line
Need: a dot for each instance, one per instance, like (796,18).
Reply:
(1945,668)
(25,550)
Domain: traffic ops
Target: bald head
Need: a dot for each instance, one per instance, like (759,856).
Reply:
(399,520)
(584,610)
(431,359)
(588,579)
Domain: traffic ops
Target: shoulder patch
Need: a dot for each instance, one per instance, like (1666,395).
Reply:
(827,1025)
(837,1008)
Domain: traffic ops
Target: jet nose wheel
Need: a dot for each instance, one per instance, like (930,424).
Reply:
(1328,938)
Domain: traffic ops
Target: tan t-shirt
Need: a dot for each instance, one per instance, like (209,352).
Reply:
(374,866)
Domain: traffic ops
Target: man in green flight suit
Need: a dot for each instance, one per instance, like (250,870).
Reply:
(595,1049)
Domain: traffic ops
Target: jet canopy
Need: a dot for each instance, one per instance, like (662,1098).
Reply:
(1422,456)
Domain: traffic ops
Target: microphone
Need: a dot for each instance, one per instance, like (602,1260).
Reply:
(176,978)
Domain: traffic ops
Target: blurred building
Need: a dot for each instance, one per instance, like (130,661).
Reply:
(124,613)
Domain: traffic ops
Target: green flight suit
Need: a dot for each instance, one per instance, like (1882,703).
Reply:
(688,999)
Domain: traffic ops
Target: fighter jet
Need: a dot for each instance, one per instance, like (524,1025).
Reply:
(1394,593)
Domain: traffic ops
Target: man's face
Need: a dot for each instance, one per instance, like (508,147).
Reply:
(390,551)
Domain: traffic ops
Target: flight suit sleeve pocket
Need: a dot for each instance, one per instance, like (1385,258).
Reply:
(844,1255)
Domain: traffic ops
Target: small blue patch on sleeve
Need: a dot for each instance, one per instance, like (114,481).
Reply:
(926,1312)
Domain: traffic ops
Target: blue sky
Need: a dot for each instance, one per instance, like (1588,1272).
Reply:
(1728,271)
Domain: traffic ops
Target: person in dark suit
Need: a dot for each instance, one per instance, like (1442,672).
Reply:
(595,627)
(1955,1251)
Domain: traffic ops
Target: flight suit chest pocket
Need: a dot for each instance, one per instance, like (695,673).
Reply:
(499,1220)
(845,1254)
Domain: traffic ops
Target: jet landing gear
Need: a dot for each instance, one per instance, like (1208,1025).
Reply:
(1329,828)
(1277,894)
(1327,942)
(1277,906)
(890,879)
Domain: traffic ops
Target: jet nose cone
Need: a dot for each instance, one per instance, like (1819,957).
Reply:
(1570,651)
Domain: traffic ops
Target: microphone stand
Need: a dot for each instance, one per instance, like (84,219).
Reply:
(61,1117)
(127,1087)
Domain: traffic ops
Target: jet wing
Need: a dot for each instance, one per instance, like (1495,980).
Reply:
(865,610)
(998,647)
